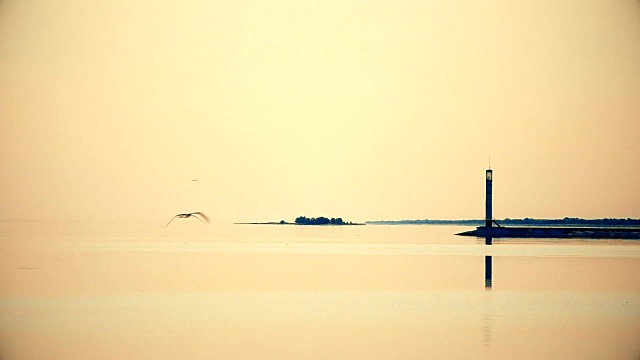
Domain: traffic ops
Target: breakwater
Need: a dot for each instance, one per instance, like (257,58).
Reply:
(555,232)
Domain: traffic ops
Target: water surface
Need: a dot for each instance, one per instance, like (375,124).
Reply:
(132,291)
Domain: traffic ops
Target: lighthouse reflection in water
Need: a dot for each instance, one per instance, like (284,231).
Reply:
(488,262)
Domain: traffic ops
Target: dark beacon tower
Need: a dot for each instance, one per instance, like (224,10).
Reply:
(488,212)
(488,220)
(488,216)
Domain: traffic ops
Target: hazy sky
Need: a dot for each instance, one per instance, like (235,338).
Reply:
(358,109)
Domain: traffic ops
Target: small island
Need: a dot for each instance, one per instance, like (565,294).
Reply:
(303,220)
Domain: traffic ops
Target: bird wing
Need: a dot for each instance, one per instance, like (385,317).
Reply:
(171,220)
(201,214)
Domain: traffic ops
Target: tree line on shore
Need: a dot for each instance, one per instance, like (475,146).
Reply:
(303,220)
(567,221)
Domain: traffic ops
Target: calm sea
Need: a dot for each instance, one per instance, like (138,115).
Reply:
(224,291)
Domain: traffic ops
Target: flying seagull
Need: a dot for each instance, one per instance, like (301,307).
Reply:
(198,215)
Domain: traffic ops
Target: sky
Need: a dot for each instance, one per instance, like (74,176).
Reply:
(365,110)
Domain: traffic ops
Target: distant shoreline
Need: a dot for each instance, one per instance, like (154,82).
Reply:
(568,222)
(290,223)
(303,220)
(605,222)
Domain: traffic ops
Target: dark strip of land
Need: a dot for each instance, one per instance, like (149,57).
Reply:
(567,221)
(303,220)
(619,232)
(290,223)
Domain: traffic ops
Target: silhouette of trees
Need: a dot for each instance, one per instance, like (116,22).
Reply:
(567,221)
(303,220)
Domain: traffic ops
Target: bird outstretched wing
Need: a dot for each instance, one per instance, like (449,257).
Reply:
(201,214)
(171,220)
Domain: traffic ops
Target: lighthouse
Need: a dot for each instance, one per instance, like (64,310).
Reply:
(488,231)
(488,217)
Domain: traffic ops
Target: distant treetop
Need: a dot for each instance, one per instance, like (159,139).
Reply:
(303,220)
